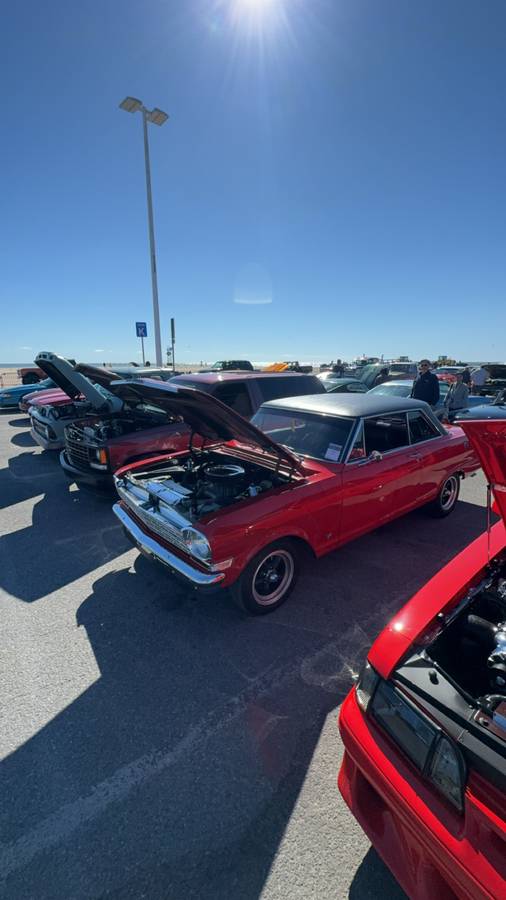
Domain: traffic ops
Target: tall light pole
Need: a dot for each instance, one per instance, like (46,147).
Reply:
(157,117)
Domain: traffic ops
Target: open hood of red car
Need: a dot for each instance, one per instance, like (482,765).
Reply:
(77,380)
(485,426)
(203,413)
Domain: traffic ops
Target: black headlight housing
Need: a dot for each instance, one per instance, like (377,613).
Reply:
(433,753)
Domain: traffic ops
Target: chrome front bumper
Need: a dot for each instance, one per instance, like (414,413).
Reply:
(154,550)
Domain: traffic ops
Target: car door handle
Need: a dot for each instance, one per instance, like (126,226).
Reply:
(416,456)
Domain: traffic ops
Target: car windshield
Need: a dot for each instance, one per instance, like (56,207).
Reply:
(308,434)
(392,389)
(46,383)
(398,389)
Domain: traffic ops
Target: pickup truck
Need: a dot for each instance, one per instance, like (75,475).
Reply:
(96,446)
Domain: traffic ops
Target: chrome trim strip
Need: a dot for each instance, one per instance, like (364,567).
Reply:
(151,548)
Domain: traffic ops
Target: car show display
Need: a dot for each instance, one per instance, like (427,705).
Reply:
(98,445)
(308,474)
(424,729)
(83,389)
(230,479)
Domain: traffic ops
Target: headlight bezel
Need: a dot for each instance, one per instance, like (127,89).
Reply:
(436,757)
(101,460)
(366,684)
(193,540)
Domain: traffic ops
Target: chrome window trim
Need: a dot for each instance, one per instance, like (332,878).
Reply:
(399,412)
(434,436)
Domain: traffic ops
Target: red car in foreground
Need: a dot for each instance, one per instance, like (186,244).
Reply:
(424,730)
(307,474)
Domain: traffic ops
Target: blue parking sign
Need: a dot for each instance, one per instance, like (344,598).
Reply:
(141,329)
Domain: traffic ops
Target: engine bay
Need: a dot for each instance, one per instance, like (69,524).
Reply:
(103,429)
(205,481)
(471,648)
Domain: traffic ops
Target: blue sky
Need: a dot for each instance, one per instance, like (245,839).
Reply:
(331,181)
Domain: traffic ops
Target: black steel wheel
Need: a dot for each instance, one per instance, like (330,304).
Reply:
(268,579)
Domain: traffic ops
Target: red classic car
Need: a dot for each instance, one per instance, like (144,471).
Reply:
(238,511)
(41,398)
(424,730)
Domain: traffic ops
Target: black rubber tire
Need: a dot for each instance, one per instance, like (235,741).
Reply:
(446,500)
(245,591)
(30,378)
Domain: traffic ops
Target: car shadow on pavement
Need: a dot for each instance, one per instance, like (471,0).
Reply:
(186,755)
(27,475)
(24,439)
(20,423)
(177,772)
(373,879)
(67,534)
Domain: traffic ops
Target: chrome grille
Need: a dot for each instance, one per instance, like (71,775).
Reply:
(152,514)
(77,451)
(39,427)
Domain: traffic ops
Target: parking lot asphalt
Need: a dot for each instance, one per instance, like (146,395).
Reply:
(156,745)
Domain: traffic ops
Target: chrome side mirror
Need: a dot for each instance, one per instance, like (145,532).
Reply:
(374,456)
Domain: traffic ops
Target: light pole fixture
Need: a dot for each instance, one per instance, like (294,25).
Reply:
(157,117)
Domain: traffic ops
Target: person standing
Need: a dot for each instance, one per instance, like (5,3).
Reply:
(381,377)
(479,377)
(426,385)
(458,395)
(466,377)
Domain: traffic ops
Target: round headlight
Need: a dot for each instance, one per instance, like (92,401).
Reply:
(196,543)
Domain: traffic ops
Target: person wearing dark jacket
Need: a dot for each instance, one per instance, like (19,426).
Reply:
(381,377)
(426,386)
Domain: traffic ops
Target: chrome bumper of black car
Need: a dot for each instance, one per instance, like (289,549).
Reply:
(154,550)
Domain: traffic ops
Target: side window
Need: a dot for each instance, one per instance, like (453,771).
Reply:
(358,448)
(277,387)
(236,396)
(384,433)
(420,428)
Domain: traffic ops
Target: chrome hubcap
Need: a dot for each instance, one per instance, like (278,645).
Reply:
(449,492)
(272,577)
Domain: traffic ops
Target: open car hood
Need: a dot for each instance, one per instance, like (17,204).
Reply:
(204,414)
(485,426)
(75,381)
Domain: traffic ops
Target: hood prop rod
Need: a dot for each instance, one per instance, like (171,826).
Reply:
(489,520)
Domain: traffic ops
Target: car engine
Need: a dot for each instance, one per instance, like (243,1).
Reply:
(471,648)
(204,483)
(100,430)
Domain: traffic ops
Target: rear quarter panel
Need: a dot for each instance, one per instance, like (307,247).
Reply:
(441,458)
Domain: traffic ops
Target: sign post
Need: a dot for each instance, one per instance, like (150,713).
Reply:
(173,339)
(141,330)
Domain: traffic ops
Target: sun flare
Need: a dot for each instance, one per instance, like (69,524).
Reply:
(260,12)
